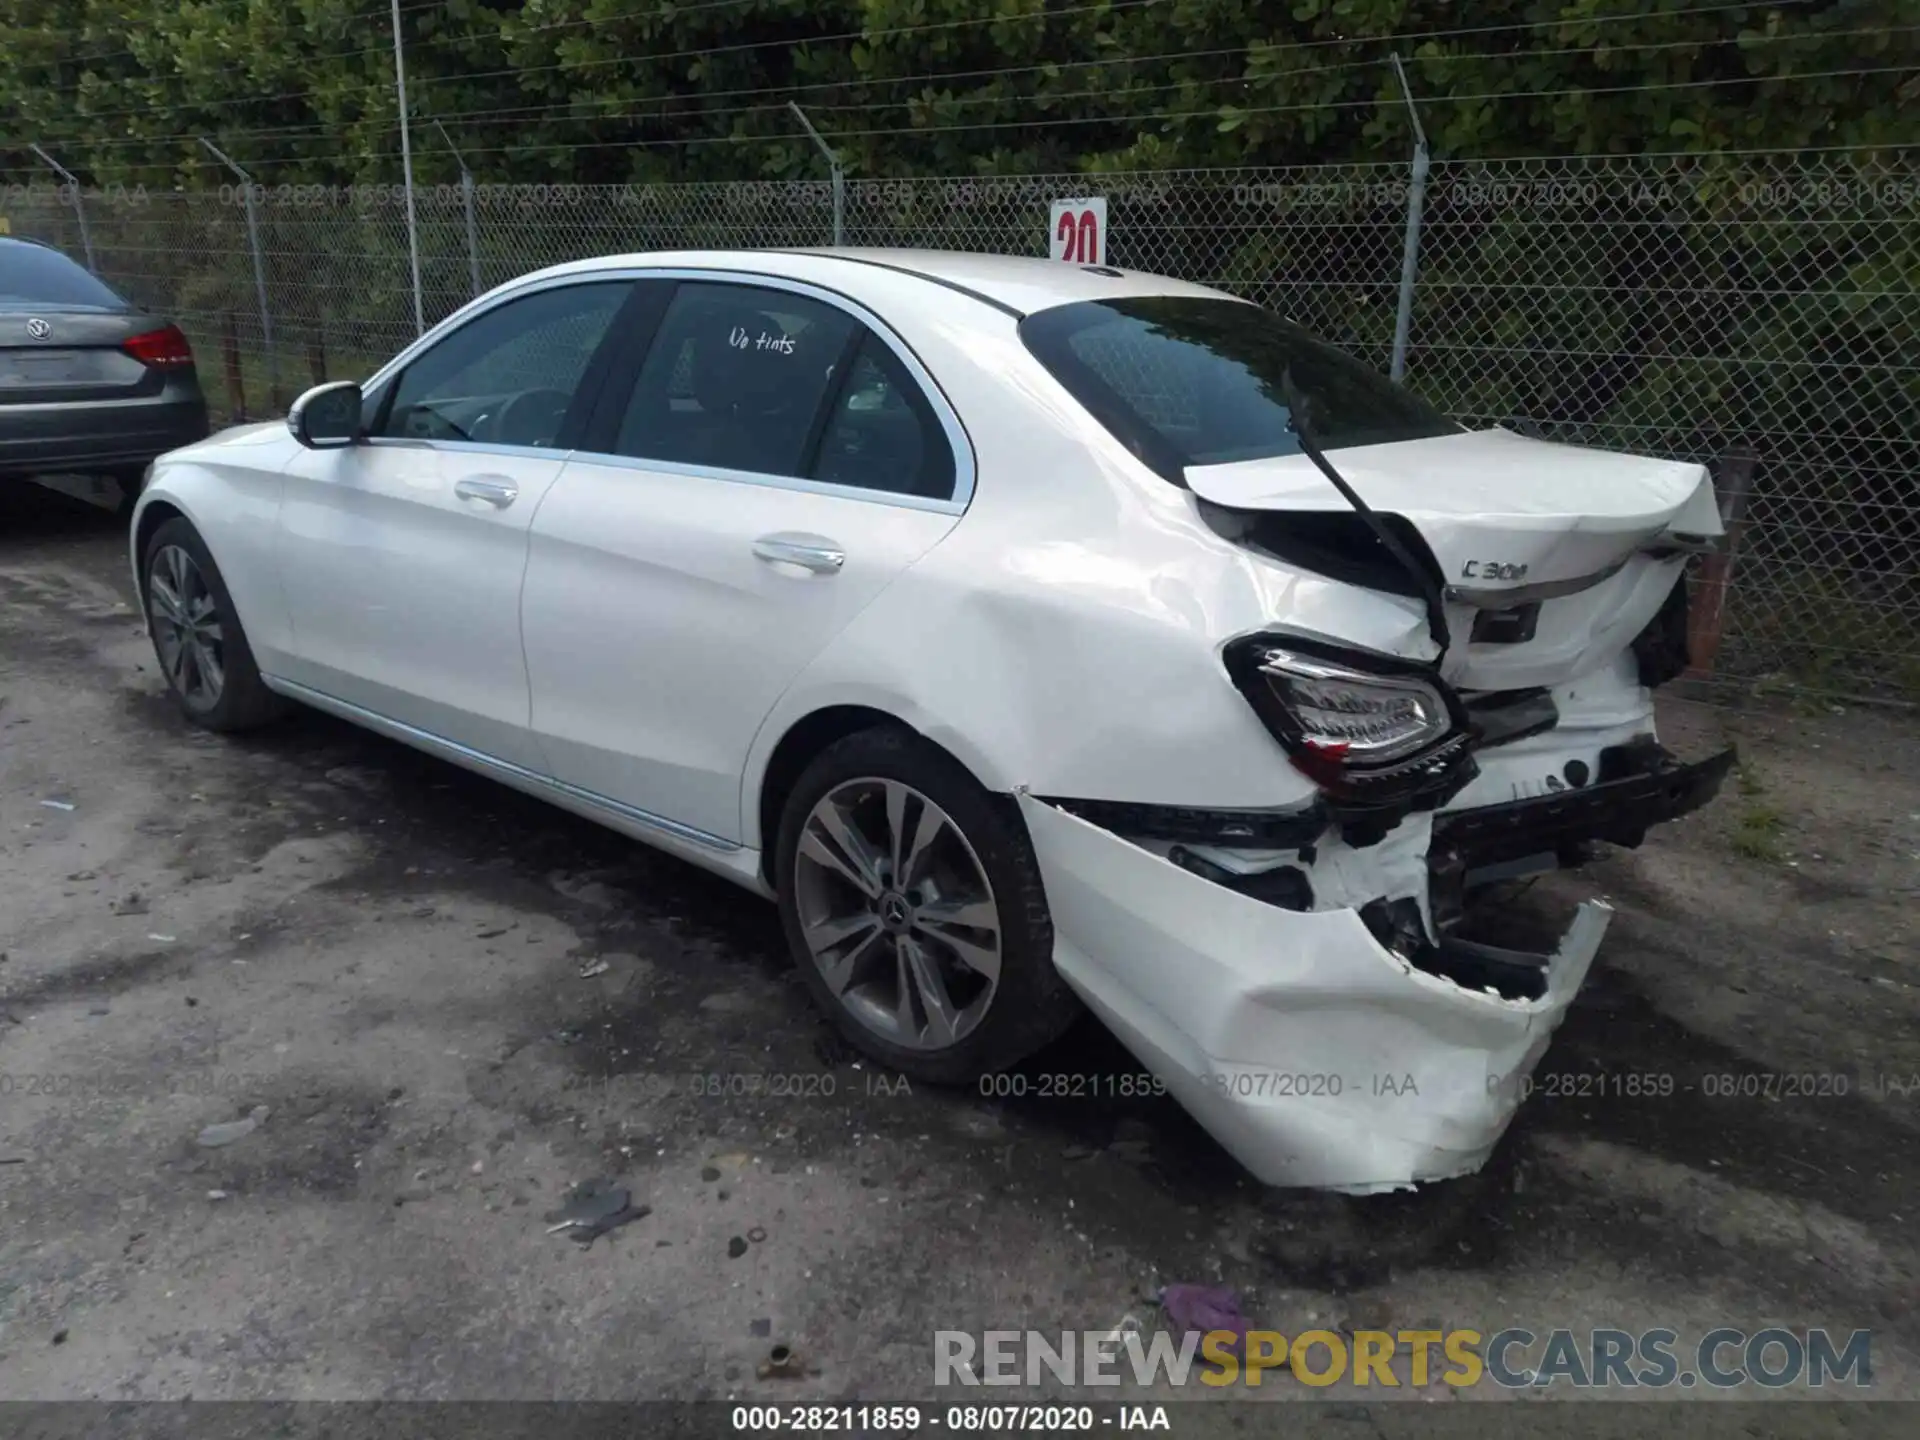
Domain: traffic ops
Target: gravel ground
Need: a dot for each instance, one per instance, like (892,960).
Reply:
(455,1004)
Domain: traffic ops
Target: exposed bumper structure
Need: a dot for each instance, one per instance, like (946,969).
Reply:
(1314,1053)
(1639,785)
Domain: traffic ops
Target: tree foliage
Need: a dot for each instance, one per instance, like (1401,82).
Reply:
(301,91)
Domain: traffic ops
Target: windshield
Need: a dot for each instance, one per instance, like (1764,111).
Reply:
(1184,380)
(34,277)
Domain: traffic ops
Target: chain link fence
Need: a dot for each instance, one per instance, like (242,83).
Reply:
(1697,307)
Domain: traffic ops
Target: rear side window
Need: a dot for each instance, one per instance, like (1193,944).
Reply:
(736,379)
(881,433)
(1185,380)
(33,276)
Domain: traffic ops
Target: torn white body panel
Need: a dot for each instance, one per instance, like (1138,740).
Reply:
(1313,1054)
(1599,711)
(1342,876)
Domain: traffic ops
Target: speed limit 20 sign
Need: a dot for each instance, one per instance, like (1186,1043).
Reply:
(1077,231)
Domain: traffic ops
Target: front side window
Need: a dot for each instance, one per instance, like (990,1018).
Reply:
(509,376)
(736,378)
(1187,380)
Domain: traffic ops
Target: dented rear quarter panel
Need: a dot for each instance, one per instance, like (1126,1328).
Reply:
(1065,636)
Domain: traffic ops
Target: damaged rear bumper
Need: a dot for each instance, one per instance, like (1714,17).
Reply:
(1310,1051)
(1361,1045)
(1639,785)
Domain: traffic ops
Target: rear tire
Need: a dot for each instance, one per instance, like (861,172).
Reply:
(197,638)
(903,883)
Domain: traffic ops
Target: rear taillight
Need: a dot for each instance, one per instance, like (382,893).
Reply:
(164,348)
(1369,730)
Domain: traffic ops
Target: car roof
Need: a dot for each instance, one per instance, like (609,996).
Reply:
(1018,285)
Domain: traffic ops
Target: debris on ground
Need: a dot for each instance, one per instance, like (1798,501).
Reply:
(782,1363)
(757,1234)
(13,1159)
(228,1131)
(163,939)
(58,804)
(594,968)
(1205,1308)
(736,1247)
(760,1328)
(592,1208)
(134,904)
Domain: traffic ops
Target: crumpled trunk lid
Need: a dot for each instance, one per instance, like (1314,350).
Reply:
(1552,557)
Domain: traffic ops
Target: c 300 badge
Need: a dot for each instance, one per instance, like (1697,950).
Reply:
(1492,570)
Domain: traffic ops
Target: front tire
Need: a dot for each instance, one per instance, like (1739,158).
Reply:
(203,653)
(913,906)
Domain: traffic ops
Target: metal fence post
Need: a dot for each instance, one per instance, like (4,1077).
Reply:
(466,200)
(473,233)
(406,167)
(839,176)
(1732,484)
(259,270)
(79,206)
(1410,251)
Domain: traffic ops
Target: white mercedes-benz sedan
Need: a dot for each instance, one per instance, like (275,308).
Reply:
(1037,635)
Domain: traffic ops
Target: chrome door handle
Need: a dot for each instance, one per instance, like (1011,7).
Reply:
(497,493)
(809,552)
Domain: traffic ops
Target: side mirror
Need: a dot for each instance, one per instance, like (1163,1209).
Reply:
(327,417)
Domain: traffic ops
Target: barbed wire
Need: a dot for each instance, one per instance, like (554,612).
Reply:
(425,81)
(518,116)
(382,86)
(1056,122)
(484,118)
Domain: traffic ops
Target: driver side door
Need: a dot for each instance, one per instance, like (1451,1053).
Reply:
(402,556)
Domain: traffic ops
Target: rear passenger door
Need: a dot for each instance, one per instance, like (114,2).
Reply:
(769,463)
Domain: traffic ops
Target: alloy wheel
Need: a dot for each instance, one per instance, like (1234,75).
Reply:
(897,913)
(187,632)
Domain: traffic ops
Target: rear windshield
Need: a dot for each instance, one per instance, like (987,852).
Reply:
(1184,380)
(32,276)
